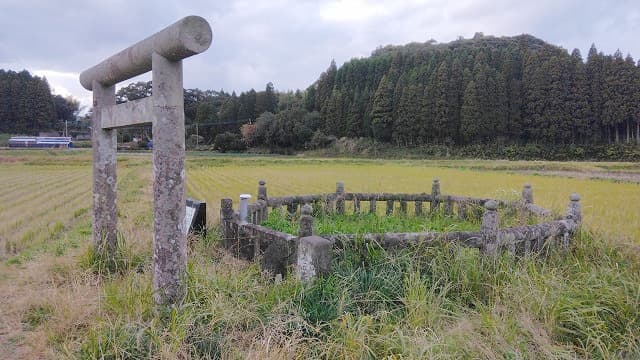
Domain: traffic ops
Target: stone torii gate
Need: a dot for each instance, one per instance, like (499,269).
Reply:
(162,54)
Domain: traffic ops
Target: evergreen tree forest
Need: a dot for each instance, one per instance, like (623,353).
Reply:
(27,106)
(509,90)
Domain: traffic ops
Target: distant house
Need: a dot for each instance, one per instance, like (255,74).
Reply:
(59,142)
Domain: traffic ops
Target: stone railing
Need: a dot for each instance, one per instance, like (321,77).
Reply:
(311,255)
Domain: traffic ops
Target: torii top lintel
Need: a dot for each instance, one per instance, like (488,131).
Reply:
(188,36)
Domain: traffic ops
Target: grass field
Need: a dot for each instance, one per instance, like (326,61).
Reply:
(441,303)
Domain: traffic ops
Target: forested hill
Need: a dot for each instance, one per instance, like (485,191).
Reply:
(28,107)
(483,90)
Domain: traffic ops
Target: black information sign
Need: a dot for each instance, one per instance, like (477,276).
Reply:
(196,217)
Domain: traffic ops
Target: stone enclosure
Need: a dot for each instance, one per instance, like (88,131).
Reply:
(309,254)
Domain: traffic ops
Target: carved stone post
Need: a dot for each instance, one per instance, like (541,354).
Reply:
(104,143)
(340,198)
(306,221)
(418,208)
(527,194)
(313,257)
(263,200)
(490,228)
(435,195)
(356,205)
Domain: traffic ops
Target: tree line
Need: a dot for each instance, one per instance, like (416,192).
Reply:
(28,107)
(510,90)
(470,92)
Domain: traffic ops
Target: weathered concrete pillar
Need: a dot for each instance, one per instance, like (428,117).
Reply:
(226,222)
(489,228)
(340,198)
(244,207)
(306,221)
(389,207)
(313,257)
(372,206)
(105,218)
(527,194)
(169,237)
(263,200)
(574,210)
(403,207)
(418,208)
(435,195)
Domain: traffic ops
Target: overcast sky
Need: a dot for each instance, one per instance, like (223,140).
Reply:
(288,42)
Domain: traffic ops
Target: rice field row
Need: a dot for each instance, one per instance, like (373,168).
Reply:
(45,202)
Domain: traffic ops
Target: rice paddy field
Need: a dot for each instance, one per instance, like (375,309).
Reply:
(440,303)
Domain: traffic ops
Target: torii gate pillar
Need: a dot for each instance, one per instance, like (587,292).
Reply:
(162,53)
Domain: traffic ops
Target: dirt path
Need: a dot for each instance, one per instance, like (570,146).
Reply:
(617,176)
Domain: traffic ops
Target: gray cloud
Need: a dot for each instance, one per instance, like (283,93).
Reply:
(288,42)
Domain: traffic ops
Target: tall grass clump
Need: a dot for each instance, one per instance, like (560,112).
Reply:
(103,263)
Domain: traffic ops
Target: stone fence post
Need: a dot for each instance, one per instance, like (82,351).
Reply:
(226,222)
(435,194)
(372,206)
(490,228)
(340,198)
(306,221)
(313,257)
(389,207)
(527,194)
(574,210)
(263,200)
(403,207)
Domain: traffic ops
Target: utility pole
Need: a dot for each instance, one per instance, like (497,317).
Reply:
(197,136)
(66,133)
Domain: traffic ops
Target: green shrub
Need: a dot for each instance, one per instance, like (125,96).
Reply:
(229,141)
